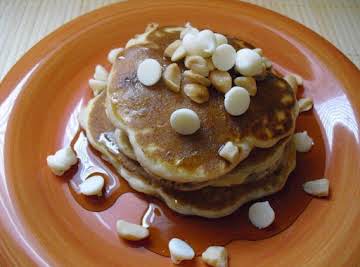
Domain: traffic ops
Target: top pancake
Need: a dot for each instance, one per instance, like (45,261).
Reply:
(144,112)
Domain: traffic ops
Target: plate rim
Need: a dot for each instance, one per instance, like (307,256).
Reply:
(38,53)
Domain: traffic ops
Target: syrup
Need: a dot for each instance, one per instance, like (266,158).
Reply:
(91,164)
(165,224)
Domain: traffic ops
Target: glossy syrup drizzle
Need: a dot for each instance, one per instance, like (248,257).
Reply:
(165,224)
(90,164)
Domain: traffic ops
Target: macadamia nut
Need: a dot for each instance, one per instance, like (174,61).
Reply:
(197,64)
(92,186)
(197,92)
(62,160)
(131,231)
(101,73)
(97,86)
(180,250)
(215,256)
(172,77)
(221,80)
(249,83)
(319,188)
(113,54)
(230,152)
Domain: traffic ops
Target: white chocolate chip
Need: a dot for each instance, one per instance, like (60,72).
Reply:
(224,57)
(62,160)
(97,86)
(180,250)
(172,77)
(220,39)
(259,51)
(191,44)
(200,44)
(193,77)
(237,101)
(319,188)
(101,73)
(230,152)
(179,54)
(303,142)
(188,30)
(305,104)
(248,62)
(221,80)
(215,256)
(185,121)
(92,186)
(170,50)
(131,231)
(149,72)
(207,42)
(249,83)
(196,92)
(197,64)
(261,214)
(113,54)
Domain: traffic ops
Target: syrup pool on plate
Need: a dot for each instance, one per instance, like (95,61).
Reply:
(165,224)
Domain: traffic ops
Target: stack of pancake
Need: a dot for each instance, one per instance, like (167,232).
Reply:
(129,124)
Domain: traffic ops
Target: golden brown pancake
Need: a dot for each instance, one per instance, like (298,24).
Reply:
(143,113)
(210,202)
(216,202)
(260,163)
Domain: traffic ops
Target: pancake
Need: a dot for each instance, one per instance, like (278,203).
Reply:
(144,112)
(216,202)
(95,123)
(257,165)
(209,202)
(100,133)
(260,162)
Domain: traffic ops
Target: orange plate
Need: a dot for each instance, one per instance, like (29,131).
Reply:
(41,224)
